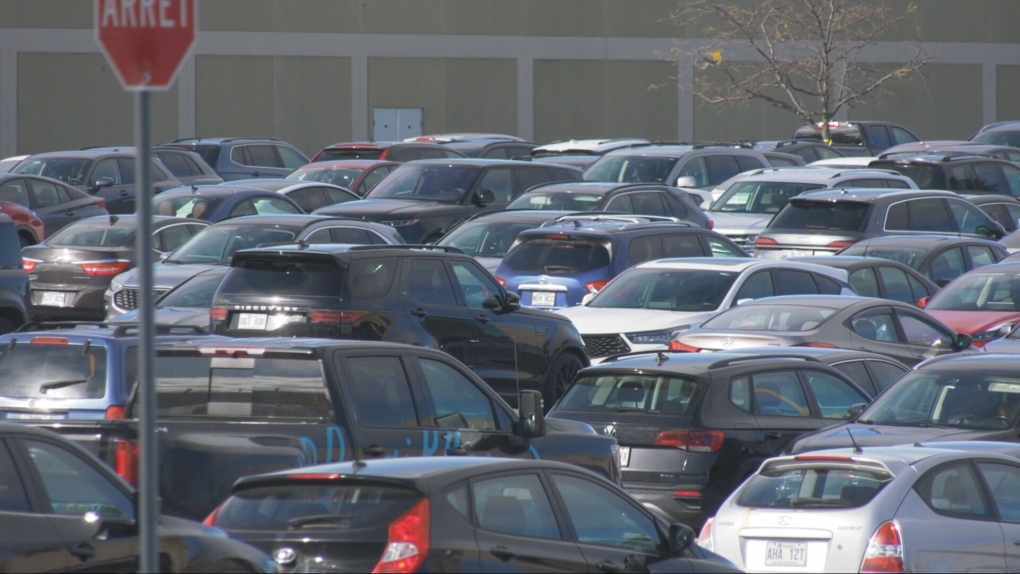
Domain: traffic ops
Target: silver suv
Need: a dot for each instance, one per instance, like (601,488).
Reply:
(682,165)
(744,204)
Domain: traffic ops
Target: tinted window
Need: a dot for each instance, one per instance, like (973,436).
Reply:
(612,392)
(884,374)
(284,275)
(171,237)
(968,218)
(309,199)
(962,178)
(1012,176)
(820,487)
(458,402)
(827,286)
(789,282)
(263,156)
(896,286)
(987,178)
(528,178)
(721,168)
(291,158)
(864,282)
(53,371)
(475,284)
(834,396)
(557,256)
(878,137)
(644,249)
(12,492)
(840,215)
(176,163)
(557,201)
(373,178)
(73,486)
(15,191)
(927,215)
(697,169)
(875,327)
(859,374)
(621,203)
(953,490)
(757,286)
(759,196)
(430,283)
(351,235)
(429,182)
(747,163)
(996,211)
(48,194)
(589,506)
(648,203)
(382,396)
(681,246)
(515,505)
(980,256)
(195,292)
(668,289)
(1004,485)
(371,278)
(947,266)
(500,183)
(921,331)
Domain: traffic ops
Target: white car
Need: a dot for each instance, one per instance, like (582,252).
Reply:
(644,306)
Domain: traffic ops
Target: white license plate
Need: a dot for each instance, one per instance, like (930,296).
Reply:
(786,554)
(543,298)
(36,416)
(52,298)
(798,253)
(252,321)
(624,456)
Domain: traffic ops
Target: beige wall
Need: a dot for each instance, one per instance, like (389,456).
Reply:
(1008,92)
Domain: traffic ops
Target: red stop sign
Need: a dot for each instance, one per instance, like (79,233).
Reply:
(146,41)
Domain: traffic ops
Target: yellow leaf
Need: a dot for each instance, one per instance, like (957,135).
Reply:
(715,57)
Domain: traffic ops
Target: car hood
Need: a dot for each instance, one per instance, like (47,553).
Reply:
(973,322)
(883,435)
(596,320)
(382,209)
(490,263)
(198,316)
(738,223)
(164,275)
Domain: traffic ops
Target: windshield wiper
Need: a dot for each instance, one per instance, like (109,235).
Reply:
(865,421)
(302,521)
(820,503)
(932,426)
(60,384)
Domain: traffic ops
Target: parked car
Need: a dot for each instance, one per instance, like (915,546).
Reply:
(940,258)
(487,236)
(29,227)
(15,300)
(309,195)
(592,148)
(216,245)
(426,198)
(968,174)
(850,162)
(186,304)
(825,222)
(214,203)
(859,137)
(556,266)
(65,511)
(108,175)
(392,151)
(890,328)
(1001,133)
(782,159)
(527,516)
(9,162)
(692,426)
(808,150)
(953,148)
(645,305)
(624,198)
(983,303)
(490,146)
(910,508)
(70,271)
(243,158)
(702,166)
(53,202)
(879,277)
(1002,208)
(357,175)
(187,166)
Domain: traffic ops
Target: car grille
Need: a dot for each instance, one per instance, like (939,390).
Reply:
(604,345)
(742,240)
(127,299)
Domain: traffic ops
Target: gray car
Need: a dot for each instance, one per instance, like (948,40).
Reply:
(185,304)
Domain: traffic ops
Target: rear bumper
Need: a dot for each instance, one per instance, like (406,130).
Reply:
(677,502)
(78,304)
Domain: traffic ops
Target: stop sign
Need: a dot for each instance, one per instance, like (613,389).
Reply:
(146,41)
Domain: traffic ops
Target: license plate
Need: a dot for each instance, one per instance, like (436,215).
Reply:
(36,416)
(252,321)
(798,253)
(786,554)
(624,456)
(543,298)
(52,298)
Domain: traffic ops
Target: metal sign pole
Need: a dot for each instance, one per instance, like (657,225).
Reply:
(148,477)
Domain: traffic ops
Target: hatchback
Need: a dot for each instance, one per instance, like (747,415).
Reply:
(939,258)
(55,203)
(488,236)
(960,173)
(879,277)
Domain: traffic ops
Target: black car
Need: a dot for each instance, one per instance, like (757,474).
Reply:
(455,515)
(54,202)
(394,151)
(692,426)
(939,258)
(879,277)
(71,270)
(14,295)
(975,174)
(622,198)
(1002,208)
(859,137)
(425,199)
(435,297)
(64,510)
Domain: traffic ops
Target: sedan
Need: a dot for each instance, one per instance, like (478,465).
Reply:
(357,175)
(455,514)
(309,195)
(890,328)
(55,203)
(215,203)
(69,272)
(938,257)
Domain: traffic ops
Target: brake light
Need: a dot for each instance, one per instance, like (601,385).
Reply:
(692,441)
(217,313)
(126,453)
(710,224)
(105,268)
(596,286)
(840,244)
(29,264)
(817,345)
(211,519)
(49,341)
(766,242)
(501,281)
(885,550)
(408,544)
(558,236)
(675,345)
(686,494)
(333,317)
(705,536)
(116,413)
(315,476)
(822,458)
(233,351)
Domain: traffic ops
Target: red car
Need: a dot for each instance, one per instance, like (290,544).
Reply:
(30,228)
(393,151)
(357,175)
(983,303)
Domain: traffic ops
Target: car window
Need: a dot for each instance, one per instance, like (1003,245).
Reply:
(528,178)
(953,490)
(961,178)
(557,254)
(273,206)
(500,183)
(601,517)
(371,278)
(382,395)
(13,497)
(515,505)
(721,168)
(309,198)
(48,194)
(1012,176)
(475,285)
(884,374)
(821,486)
(876,327)
(757,286)
(790,282)
(644,249)
(291,158)
(980,255)
(834,397)
(73,486)
(177,164)
(748,163)
(687,245)
(648,203)
(373,178)
(243,207)
(896,285)
(864,282)
(901,136)
(171,237)
(1000,213)
(609,393)
(335,196)
(947,266)
(740,393)
(15,191)
(430,282)
(920,330)
(262,156)
(676,206)
(968,218)
(352,235)
(779,394)
(458,402)
(878,137)
(987,178)
(107,168)
(620,204)
(919,289)
(858,373)
(839,215)
(697,169)
(928,214)
(720,248)
(1003,482)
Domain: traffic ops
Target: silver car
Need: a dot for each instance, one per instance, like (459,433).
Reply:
(916,508)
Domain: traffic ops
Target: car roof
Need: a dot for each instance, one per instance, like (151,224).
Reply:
(221,140)
(536,216)
(972,362)
(83,153)
(678,150)
(870,195)
(285,219)
(829,301)
(590,187)
(588,146)
(95,330)
(131,219)
(469,161)
(461,137)
(738,264)
(920,240)
(348,163)
(936,158)
(895,458)
(684,363)
(216,190)
(420,466)
(596,227)
(289,343)
(985,198)
(279,184)
(821,354)
(816,174)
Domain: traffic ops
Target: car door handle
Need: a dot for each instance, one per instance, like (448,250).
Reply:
(1016,541)
(84,551)
(608,566)
(124,193)
(255,173)
(373,449)
(773,435)
(419,312)
(503,553)
(482,319)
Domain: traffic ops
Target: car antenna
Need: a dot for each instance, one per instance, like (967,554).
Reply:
(358,464)
(857,447)
(517,372)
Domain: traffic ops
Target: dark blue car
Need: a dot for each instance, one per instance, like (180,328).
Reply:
(215,203)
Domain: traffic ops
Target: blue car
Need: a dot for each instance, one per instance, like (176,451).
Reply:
(557,265)
(215,203)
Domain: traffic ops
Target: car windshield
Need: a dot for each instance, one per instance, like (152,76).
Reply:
(292,277)
(925,176)
(71,171)
(631,169)
(671,290)
(92,235)
(788,318)
(562,201)
(909,256)
(430,182)
(184,205)
(344,177)
(821,485)
(759,196)
(557,255)
(195,292)
(216,245)
(1007,138)
(980,292)
(978,399)
(838,215)
(615,392)
(55,370)
(485,239)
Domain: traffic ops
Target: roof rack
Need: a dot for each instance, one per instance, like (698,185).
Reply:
(407,246)
(755,357)
(120,329)
(602,217)
(661,355)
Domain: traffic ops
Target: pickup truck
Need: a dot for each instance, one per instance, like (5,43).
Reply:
(229,408)
(859,137)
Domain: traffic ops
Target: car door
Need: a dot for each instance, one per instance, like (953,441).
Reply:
(945,266)
(780,407)
(831,397)
(1002,482)
(120,196)
(517,529)
(877,330)
(923,335)
(49,201)
(29,541)
(971,221)
(434,307)
(498,180)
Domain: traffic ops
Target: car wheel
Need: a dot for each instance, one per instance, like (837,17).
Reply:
(6,325)
(24,240)
(560,376)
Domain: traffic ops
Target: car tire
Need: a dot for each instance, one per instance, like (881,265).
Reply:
(560,377)
(7,326)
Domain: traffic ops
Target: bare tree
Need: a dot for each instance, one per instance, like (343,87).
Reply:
(803,56)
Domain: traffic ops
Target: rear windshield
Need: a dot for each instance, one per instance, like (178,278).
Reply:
(760,196)
(318,506)
(241,387)
(184,205)
(52,371)
(925,176)
(835,487)
(557,201)
(630,392)
(215,245)
(671,290)
(283,275)
(631,169)
(557,256)
(91,235)
(839,215)
(1007,138)
(770,318)
(485,239)
(345,177)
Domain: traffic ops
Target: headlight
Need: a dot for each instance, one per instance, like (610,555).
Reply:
(992,333)
(400,222)
(114,286)
(653,337)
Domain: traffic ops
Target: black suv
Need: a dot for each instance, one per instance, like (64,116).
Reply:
(14,293)
(959,173)
(692,426)
(859,137)
(435,297)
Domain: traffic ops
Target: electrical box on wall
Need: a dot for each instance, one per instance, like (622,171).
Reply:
(395,124)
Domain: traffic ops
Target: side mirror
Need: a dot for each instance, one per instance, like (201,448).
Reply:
(493,303)
(962,341)
(513,302)
(686,181)
(484,197)
(681,537)
(923,302)
(587,298)
(744,300)
(942,282)
(855,411)
(101,183)
(532,413)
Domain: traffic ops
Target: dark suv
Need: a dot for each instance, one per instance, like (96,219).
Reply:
(692,426)
(859,137)
(14,292)
(960,173)
(436,297)
(392,151)
(243,158)
(637,198)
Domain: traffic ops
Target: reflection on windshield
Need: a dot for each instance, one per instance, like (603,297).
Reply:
(678,290)
(770,318)
(485,239)
(216,245)
(443,183)
(759,196)
(71,171)
(343,177)
(980,293)
(631,169)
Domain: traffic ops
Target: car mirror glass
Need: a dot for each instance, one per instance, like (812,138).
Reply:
(493,303)
(102,182)
(681,537)
(532,414)
(686,181)
(513,302)
(745,300)
(962,341)
(855,411)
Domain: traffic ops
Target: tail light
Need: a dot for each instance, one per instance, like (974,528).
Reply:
(840,244)
(336,317)
(692,441)
(211,519)
(217,313)
(501,281)
(705,536)
(49,341)
(675,345)
(408,544)
(105,268)
(127,460)
(765,242)
(596,286)
(115,413)
(885,550)
(817,345)
(710,224)
(29,264)
(101,202)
